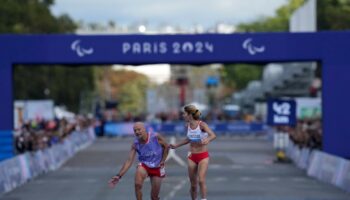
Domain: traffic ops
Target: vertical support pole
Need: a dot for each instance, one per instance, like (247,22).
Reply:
(6,111)
(336,108)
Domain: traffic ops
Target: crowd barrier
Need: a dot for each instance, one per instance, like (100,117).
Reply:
(122,129)
(20,169)
(323,166)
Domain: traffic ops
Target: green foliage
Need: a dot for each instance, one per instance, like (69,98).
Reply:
(129,90)
(238,75)
(132,98)
(32,16)
(333,15)
(65,84)
(279,22)
(126,87)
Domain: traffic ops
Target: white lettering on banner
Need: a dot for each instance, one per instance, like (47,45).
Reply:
(198,47)
(280,119)
(176,48)
(162,47)
(144,48)
(126,47)
(283,109)
(147,48)
(136,48)
(282,112)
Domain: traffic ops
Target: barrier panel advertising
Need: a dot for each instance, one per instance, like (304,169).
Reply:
(20,169)
(122,129)
(323,166)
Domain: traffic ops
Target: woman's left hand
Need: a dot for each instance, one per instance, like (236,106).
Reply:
(162,164)
(205,141)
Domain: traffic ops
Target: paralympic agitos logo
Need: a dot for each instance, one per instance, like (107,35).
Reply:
(81,51)
(252,50)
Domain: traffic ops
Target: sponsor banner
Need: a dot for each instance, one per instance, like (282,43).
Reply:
(290,148)
(296,154)
(18,170)
(303,161)
(328,168)
(118,129)
(121,129)
(315,162)
(343,178)
(11,174)
(33,164)
(323,166)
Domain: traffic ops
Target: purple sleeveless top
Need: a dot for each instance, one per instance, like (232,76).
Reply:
(150,153)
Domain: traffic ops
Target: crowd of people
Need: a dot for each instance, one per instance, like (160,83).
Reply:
(307,133)
(39,134)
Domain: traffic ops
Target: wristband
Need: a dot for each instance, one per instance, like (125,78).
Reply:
(120,176)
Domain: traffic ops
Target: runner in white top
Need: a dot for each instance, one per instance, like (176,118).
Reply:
(198,136)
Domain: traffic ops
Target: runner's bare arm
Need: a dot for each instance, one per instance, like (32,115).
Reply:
(127,164)
(184,142)
(211,135)
(165,147)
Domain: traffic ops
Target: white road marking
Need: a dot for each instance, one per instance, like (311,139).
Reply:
(215,166)
(175,189)
(273,179)
(230,158)
(259,167)
(237,167)
(246,178)
(220,179)
(173,155)
(299,179)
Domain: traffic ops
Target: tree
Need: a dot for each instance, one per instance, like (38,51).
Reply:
(333,15)
(128,88)
(132,98)
(32,16)
(238,75)
(62,84)
(279,22)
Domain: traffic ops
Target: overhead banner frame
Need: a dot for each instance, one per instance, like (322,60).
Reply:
(331,49)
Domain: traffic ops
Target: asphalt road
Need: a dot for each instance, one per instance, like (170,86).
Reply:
(240,169)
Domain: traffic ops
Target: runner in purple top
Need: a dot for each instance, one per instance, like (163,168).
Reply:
(152,150)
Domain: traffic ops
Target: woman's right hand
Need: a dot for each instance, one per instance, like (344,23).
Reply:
(173,146)
(113,181)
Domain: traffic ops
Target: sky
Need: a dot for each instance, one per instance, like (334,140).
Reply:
(183,13)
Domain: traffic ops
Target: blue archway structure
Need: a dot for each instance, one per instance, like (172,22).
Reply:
(332,49)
